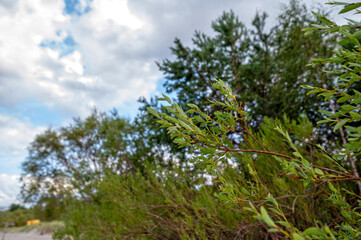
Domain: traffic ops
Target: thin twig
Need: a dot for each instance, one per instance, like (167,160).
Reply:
(331,170)
(255,151)
(256,141)
(310,189)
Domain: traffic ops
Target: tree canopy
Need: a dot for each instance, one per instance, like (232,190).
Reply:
(264,65)
(74,157)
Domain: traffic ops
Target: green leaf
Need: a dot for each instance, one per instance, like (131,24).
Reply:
(169,109)
(347,227)
(167,99)
(285,224)
(310,31)
(344,42)
(327,95)
(191,111)
(325,112)
(355,115)
(357,34)
(324,121)
(185,125)
(314,231)
(297,236)
(266,218)
(171,119)
(198,118)
(337,3)
(346,33)
(271,198)
(307,87)
(319,26)
(357,93)
(347,107)
(314,91)
(346,215)
(154,112)
(332,187)
(343,99)
(305,163)
(350,7)
(336,59)
(191,105)
(319,171)
(356,101)
(317,60)
(326,21)
(340,124)
(296,154)
(180,111)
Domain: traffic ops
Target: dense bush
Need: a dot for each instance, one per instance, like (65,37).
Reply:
(160,205)
(175,204)
(214,136)
(19,217)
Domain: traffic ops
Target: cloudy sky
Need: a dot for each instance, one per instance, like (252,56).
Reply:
(61,58)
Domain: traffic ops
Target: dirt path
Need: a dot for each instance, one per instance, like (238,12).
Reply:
(25,236)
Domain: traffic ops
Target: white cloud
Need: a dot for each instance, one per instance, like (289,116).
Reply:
(102,72)
(9,189)
(72,63)
(15,136)
(111,14)
(21,57)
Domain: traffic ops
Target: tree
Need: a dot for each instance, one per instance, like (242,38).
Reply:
(263,67)
(14,206)
(72,158)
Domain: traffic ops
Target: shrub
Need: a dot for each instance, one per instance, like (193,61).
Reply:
(215,141)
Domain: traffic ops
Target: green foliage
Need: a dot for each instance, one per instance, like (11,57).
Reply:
(262,66)
(48,208)
(213,138)
(182,198)
(15,206)
(160,205)
(209,137)
(74,157)
(152,144)
(19,217)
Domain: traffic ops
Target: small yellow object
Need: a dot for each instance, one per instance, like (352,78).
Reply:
(35,221)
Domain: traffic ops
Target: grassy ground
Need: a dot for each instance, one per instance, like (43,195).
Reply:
(41,228)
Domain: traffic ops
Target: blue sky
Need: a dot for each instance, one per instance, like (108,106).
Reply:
(62,58)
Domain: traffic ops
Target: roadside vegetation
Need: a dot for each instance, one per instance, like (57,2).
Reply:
(262,141)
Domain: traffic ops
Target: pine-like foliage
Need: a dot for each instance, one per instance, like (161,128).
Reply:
(263,65)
